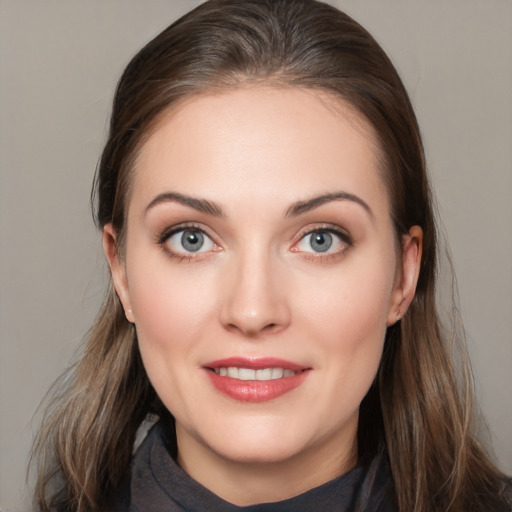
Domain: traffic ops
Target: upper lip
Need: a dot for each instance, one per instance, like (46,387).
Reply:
(255,363)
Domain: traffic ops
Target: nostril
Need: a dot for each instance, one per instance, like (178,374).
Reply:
(253,330)
(254,312)
(271,328)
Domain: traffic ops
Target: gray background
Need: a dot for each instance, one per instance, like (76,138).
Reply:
(60,61)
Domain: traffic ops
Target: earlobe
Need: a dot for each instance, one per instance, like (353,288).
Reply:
(408,274)
(117,270)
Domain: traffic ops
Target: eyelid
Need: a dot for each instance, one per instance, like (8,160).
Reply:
(163,239)
(344,237)
(170,231)
(330,228)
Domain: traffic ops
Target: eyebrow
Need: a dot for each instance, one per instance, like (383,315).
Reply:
(201,205)
(297,208)
(309,204)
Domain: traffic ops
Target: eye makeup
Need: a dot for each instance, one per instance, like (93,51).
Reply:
(322,243)
(191,241)
(195,242)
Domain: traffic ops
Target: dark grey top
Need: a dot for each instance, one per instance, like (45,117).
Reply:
(158,484)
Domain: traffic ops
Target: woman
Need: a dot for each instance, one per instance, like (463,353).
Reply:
(267,219)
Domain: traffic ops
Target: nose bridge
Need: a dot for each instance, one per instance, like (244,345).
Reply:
(254,302)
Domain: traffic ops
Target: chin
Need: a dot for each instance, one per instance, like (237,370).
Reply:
(256,453)
(259,442)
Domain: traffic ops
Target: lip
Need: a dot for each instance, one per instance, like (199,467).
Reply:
(255,391)
(255,363)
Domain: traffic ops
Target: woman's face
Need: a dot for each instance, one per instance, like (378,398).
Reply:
(261,271)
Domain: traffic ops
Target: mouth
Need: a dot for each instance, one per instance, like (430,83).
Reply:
(262,374)
(255,380)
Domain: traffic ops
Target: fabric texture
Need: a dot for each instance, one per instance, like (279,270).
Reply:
(158,484)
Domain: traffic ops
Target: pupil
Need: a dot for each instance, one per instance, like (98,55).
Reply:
(319,239)
(192,240)
(321,242)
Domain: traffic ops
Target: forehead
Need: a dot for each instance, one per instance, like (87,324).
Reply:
(276,143)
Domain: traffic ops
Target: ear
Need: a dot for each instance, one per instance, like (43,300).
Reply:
(117,270)
(407,274)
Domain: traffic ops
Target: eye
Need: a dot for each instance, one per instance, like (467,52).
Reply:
(189,241)
(323,241)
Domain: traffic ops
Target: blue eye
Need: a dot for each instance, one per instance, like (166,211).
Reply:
(190,241)
(322,241)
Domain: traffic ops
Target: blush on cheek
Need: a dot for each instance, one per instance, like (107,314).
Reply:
(171,312)
(351,316)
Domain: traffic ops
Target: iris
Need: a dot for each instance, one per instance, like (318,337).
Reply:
(192,241)
(320,241)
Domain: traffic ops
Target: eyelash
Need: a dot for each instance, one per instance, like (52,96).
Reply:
(168,233)
(343,236)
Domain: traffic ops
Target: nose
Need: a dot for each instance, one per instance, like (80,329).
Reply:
(254,299)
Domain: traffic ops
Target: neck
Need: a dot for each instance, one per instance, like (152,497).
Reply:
(244,483)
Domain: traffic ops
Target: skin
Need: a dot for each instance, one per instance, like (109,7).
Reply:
(259,288)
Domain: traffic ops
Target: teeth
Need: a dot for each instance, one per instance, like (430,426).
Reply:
(277,373)
(233,372)
(250,374)
(264,374)
(246,374)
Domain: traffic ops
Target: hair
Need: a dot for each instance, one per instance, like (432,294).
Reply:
(420,405)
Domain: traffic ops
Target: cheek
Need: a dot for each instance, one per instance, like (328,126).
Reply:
(350,304)
(170,307)
(172,312)
(347,318)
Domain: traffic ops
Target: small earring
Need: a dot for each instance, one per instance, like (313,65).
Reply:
(398,316)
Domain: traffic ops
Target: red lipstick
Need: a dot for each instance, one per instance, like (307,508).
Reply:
(256,379)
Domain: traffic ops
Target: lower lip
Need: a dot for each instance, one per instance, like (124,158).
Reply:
(255,391)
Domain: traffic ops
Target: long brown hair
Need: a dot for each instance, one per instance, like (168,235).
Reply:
(420,405)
